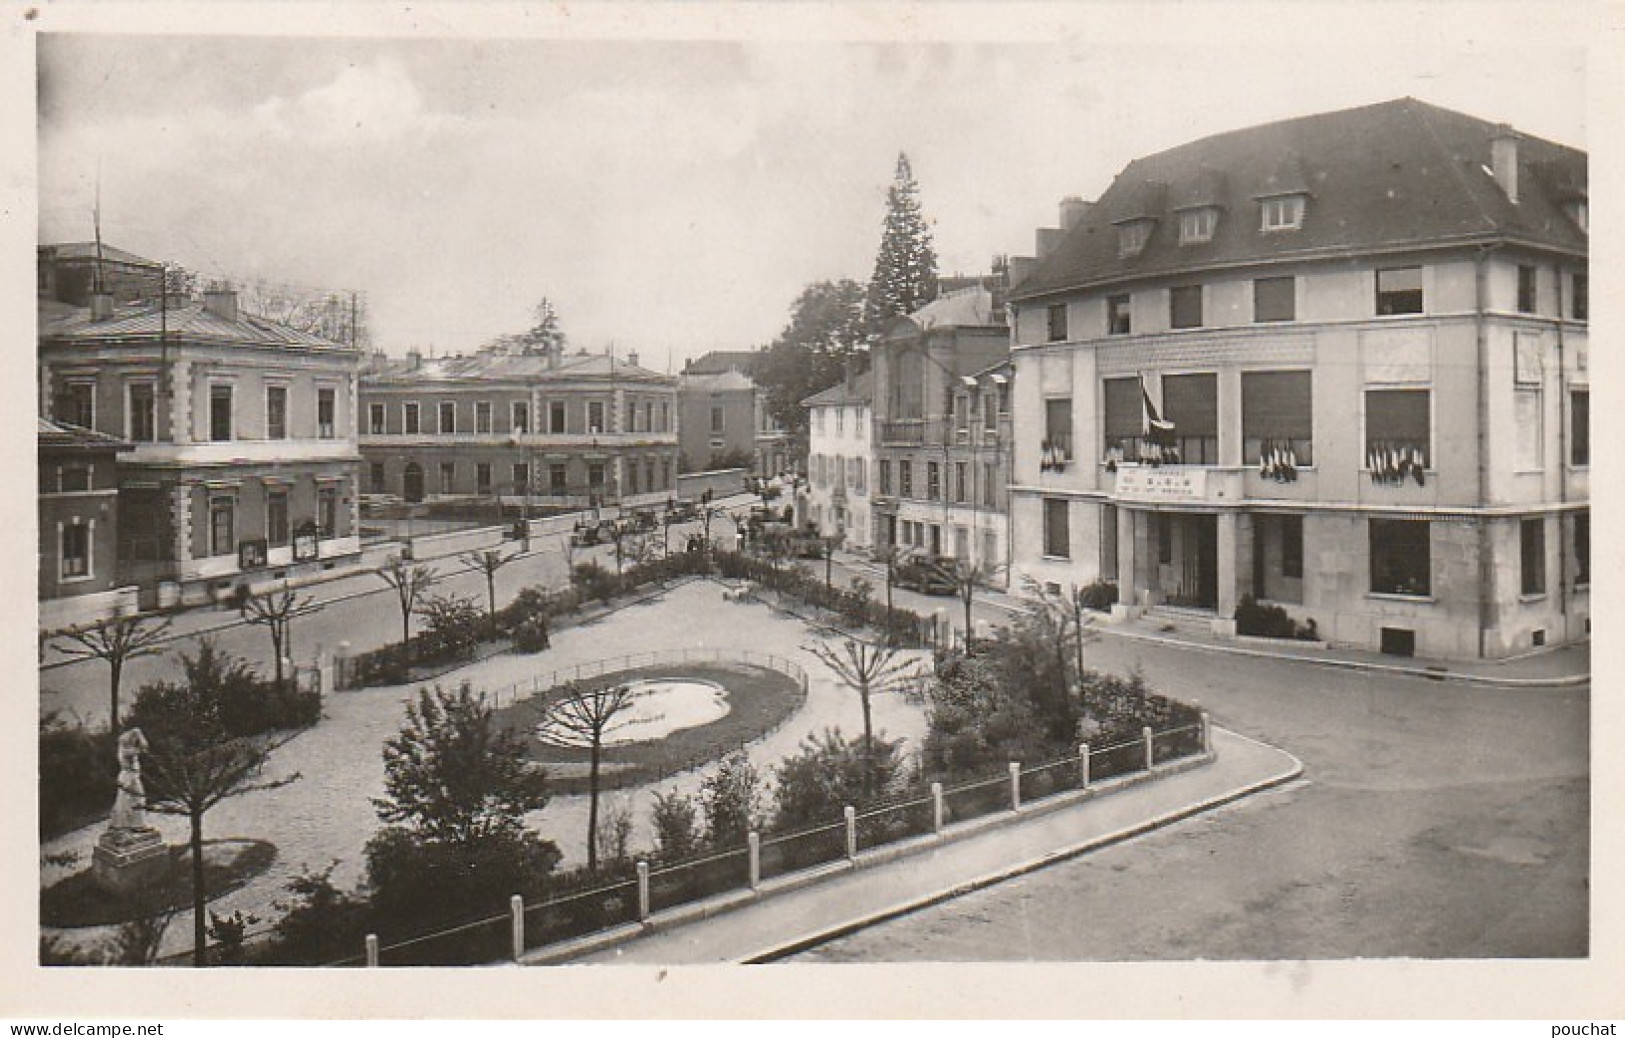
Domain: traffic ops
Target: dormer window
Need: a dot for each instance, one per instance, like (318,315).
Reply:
(1132,237)
(1196,225)
(1579,212)
(1282,213)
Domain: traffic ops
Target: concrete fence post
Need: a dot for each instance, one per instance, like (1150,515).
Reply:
(936,808)
(516,906)
(1207,733)
(372,951)
(643,891)
(1015,785)
(753,840)
(341,666)
(851,833)
(1145,733)
(1083,766)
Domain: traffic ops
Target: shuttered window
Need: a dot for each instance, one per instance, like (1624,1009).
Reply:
(1123,409)
(1277,407)
(1397,417)
(1191,402)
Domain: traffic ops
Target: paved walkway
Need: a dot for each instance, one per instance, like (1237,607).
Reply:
(886,884)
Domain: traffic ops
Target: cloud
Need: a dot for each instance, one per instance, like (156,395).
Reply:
(364,104)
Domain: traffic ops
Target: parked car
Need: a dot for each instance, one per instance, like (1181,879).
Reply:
(925,574)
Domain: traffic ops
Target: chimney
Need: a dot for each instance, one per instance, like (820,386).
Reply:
(101,306)
(1504,160)
(1047,239)
(221,301)
(415,358)
(632,357)
(1073,210)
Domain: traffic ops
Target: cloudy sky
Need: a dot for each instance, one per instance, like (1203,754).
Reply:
(674,196)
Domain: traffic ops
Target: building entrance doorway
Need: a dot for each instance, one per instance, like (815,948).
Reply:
(1188,559)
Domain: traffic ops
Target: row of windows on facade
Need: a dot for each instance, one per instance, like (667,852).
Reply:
(77,406)
(644,419)
(1277,414)
(1400,550)
(1398,291)
(859,427)
(963,490)
(927,538)
(1197,224)
(558,477)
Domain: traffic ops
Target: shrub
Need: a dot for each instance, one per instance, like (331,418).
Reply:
(531,635)
(320,924)
(383,666)
(814,786)
(78,772)
(732,800)
(593,582)
(1256,619)
(1099,596)
(677,829)
(230,692)
(453,626)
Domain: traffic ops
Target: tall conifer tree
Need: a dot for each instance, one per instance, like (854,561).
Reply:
(905,276)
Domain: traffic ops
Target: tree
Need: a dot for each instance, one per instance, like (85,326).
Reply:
(452,775)
(543,336)
(676,829)
(1066,612)
(410,582)
(829,773)
(827,545)
(810,354)
(488,562)
(967,576)
(869,670)
(905,274)
(457,787)
(117,641)
(731,800)
(583,716)
(194,763)
(275,611)
(335,316)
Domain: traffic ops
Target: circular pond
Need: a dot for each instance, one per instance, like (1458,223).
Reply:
(660,706)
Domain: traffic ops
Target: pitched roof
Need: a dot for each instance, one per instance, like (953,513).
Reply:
(862,391)
(1393,175)
(721,382)
(87,250)
(54,435)
(966,308)
(718,361)
(189,321)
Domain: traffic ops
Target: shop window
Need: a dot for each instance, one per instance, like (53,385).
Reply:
(1057,531)
(1275,299)
(1277,422)
(1185,306)
(75,551)
(1401,557)
(1532,556)
(1399,291)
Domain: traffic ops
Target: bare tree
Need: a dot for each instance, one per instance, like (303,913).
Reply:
(275,611)
(488,562)
(582,717)
(967,576)
(410,582)
(1066,613)
(118,641)
(869,670)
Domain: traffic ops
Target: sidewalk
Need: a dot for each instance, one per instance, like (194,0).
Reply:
(1556,667)
(891,881)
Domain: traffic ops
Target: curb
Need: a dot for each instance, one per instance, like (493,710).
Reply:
(800,944)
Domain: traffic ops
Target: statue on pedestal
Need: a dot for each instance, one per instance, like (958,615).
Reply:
(130,855)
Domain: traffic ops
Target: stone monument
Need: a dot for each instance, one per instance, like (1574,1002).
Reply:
(130,856)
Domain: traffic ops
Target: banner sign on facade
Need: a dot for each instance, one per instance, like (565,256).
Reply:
(1153,483)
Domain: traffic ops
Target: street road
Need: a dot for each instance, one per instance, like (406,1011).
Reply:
(1434,819)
